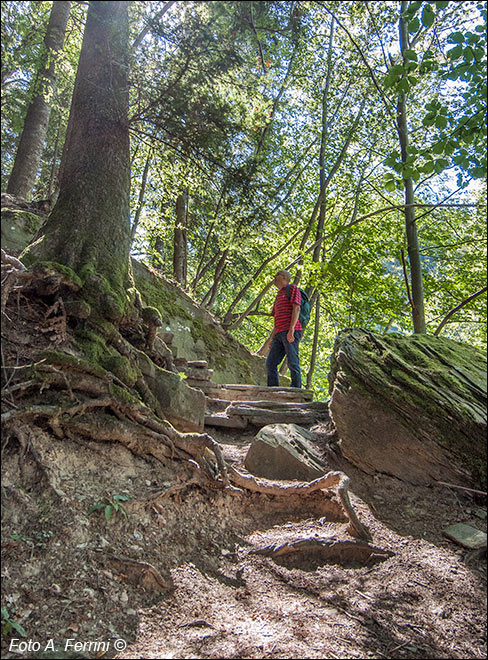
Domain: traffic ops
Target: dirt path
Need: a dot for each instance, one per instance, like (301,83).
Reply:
(424,601)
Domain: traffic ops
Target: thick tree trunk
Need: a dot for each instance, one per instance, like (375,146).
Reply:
(29,151)
(418,313)
(88,229)
(179,240)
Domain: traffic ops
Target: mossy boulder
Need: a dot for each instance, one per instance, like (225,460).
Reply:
(412,407)
(18,229)
(181,405)
(197,334)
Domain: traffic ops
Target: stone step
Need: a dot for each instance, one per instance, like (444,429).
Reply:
(223,421)
(198,364)
(237,415)
(280,406)
(256,393)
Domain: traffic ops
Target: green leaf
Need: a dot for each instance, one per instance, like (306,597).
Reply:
(441,4)
(410,54)
(428,16)
(95,507)
(438,148)
(414,25)
(390,185)
(450,146)
(428,167)
(456,38)
(455,53)
(403,85)
(6,628)
(441,165)
(16,626)
(108,512)
(429,119)
(121,498)
(409,172)
(478,172)
(397,70)
(123,509)
(462,161)
(441,121)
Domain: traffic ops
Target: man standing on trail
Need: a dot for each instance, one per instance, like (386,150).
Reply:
(287,331)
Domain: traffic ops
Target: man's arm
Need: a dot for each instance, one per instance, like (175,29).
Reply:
(294,318)
(264,350)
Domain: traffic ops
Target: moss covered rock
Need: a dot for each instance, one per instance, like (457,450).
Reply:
(197,334)
(413,407)
(18,229)
(181,405)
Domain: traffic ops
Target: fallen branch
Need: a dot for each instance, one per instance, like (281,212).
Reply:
(471,490)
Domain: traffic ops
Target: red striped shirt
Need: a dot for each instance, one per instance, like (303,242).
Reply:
(283,308)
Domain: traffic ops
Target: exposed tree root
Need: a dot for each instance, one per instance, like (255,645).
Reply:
(93,403)
(329,480)
(332,549)
(139,573)
(13,271)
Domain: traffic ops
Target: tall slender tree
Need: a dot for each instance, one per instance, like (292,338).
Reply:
(418,313)
(29,150)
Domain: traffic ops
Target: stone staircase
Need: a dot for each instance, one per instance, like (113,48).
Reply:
(239,406)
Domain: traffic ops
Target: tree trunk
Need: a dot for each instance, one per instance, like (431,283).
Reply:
(29,151)
(418,313)
(179,242)
(180,239)
(315,343)
(211,295)
(51,191)
(88,229)
(140,202)
(323,142)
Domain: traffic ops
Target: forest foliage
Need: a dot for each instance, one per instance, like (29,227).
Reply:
(268,135)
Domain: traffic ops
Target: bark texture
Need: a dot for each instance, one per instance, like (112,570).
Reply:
(29,151)
(88,229)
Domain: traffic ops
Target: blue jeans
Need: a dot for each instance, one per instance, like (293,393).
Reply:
(279,348)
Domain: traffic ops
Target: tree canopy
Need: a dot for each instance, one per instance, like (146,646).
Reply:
(342,141)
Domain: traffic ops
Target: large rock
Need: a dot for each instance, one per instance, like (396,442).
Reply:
(284,451)
(181,405)
(413,407)
(18,228)
(197,334)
